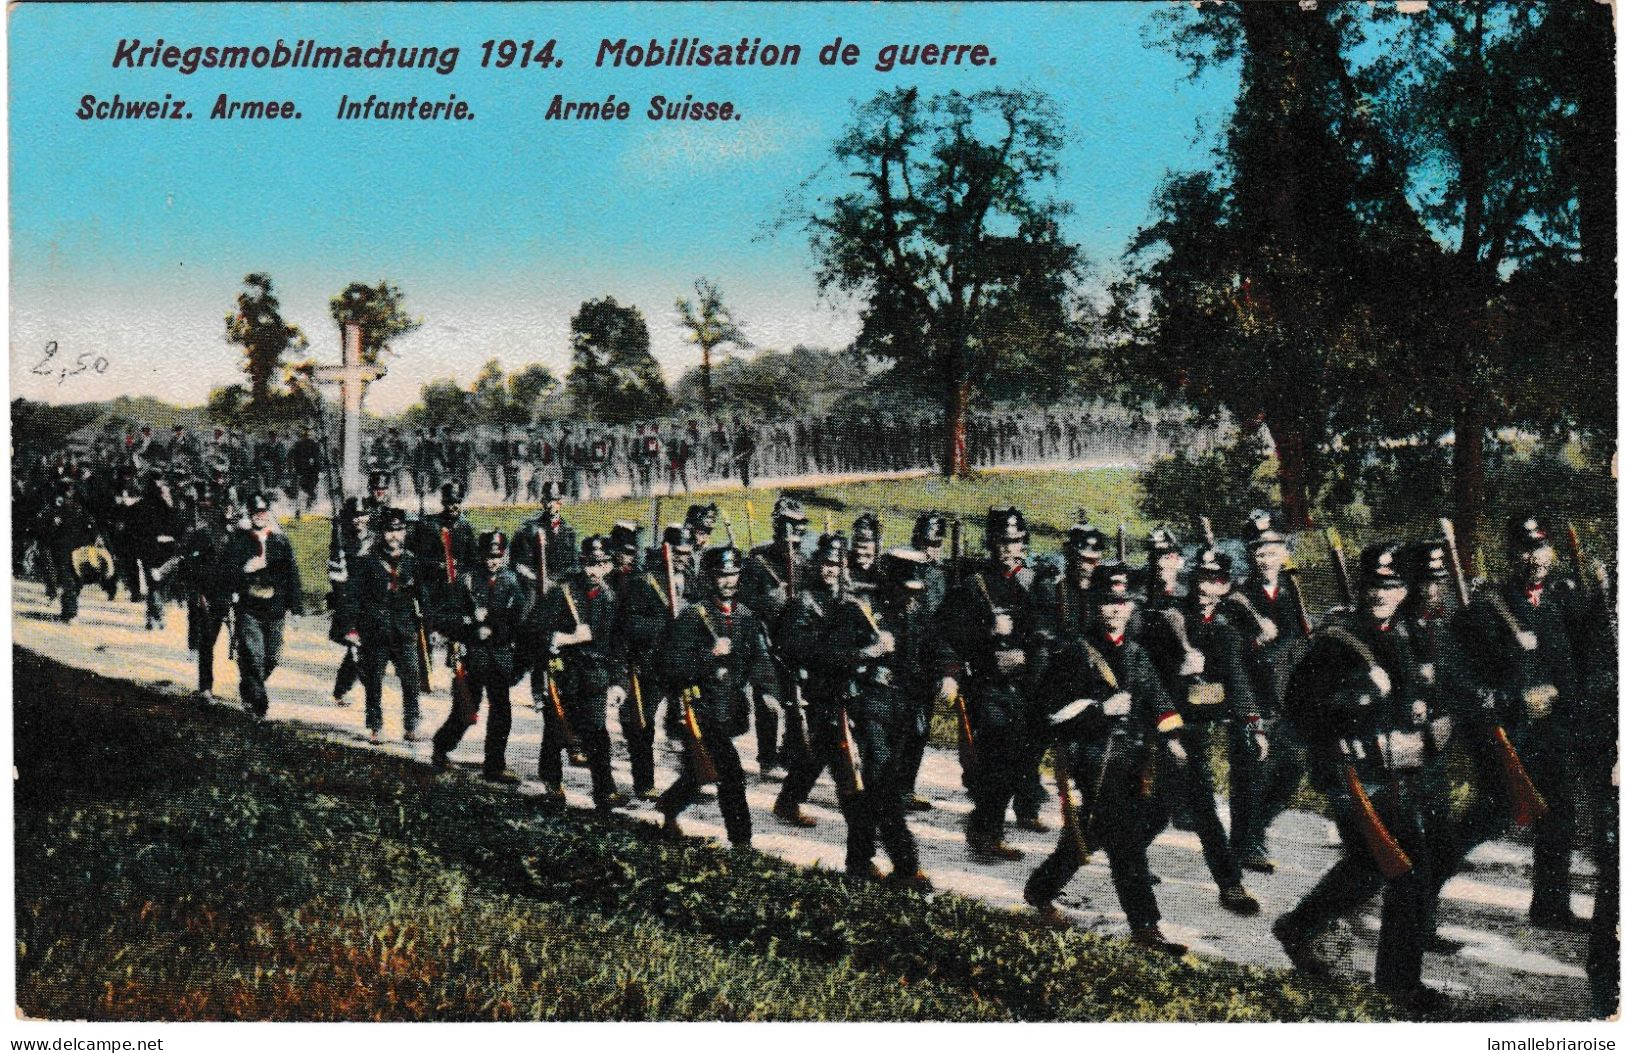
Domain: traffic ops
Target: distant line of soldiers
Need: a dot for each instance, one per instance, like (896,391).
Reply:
(839,658)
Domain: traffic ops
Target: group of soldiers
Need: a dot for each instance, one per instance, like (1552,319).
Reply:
(838,654)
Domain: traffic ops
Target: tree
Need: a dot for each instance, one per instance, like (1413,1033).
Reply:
(380,313)
(257,326)
(440,402)
(526,390)
(613,376)
(709,325)
(947,234)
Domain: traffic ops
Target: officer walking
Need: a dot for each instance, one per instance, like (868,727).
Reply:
(650,603)
(1370,720)
(769,583)
(202,573)
(482,617)
(821,669)
(1106,708)
(718,648)
(355,540)
(387,592)
(265,578)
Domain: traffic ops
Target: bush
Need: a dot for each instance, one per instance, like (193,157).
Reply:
(1223,485)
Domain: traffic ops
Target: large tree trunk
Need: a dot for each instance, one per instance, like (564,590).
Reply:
(705,378)
(1469,479)
(1292,457)
(956,407)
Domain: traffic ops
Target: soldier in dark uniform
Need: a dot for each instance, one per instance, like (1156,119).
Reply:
(202,573)
(679,452)
(575,626)
(355,540)
(376,503)
(1528,640)
(744,451)
(717,649)
(897,662)
(650,602)
(305,466)
(818,672)
(388,591)
(1198,651)
(1265,790)
(66,527)
(990,623)
(160,524)
(1106,708)
(397,460)
(701,521)
(512,452)
(265,577)
(769,583)
(445,544)
(483,618)
(123,532)
(544,542)
(1371,721)
(930,534)
(863,562)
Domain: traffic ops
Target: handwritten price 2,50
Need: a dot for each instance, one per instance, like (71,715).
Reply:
(62,369)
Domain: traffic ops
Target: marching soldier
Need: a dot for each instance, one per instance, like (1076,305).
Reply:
(66,528)
(701,521)
(445,544)
(575,626)
(818,672)
(1528,640)
(376,504)
(544,543)
(744,451)
(483,617)
(717,649)
(305,467)
(1198,651)
(260,565)
(650,603)
(1266,789)
(768,584)
(1370,718)
(897,665)
(990,623)
(160,524)
(863,562)
(123,532)
(201,573)
(1106,708)
(387,591)
(355,540)
(930,534)
(679,452)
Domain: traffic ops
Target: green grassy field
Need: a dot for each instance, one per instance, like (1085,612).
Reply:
(182,864)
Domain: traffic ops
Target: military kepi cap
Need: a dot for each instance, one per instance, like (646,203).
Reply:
(493,543)
(902,568)
(789,508)
(1430,560)
(378,481)
(1162,541)
(1261,530)
(1382,565)
(595,548)
(1086,539)
(866,527)
(1005,524)
(1211,563)
(552,491)
(393,519)
(451,492)
(832,548)
(678,537)
(931,528)
(702,516)
(1111,583)
(720,562)
(1527,533)
(623,536)
(257,502)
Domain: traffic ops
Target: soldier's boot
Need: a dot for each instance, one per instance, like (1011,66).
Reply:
(865,871)
(913,878)
(985,849)
(505,777)
(1300,949)
(791,815)
(439,761)
(916,803)
(1151,938)
(1032,823)
(578,759)
(1238,900)
(552,796)
(669,828)
(610,801)
(1258,862)
(1049,915)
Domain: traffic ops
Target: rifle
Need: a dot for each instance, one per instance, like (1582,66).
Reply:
(705,770)
(1069,807)
(1390,858)
(1527,803)
(728,525)
(462,697)
(554,666)
(750,526)
(654,518)
(425,683)
(1208,536)
(956,550)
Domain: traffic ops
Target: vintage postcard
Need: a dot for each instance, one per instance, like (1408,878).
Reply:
(814,512)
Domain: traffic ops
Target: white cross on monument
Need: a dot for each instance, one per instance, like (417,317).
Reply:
(352,377)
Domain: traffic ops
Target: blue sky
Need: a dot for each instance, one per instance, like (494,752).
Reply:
(130,239)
